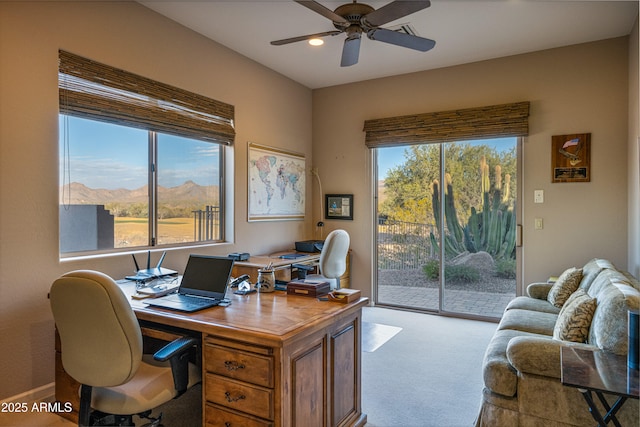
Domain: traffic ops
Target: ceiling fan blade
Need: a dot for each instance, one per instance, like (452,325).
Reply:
(351,50)
(394,10)
(401,39)
(307,37)
(327,13)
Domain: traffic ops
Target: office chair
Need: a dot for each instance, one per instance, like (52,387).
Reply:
(102,350)
(333,259)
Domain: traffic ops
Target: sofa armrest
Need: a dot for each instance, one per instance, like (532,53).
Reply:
(539,290)
(539,355)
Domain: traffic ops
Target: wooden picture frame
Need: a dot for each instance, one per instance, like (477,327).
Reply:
(276,184)
(571,158)
(338,206)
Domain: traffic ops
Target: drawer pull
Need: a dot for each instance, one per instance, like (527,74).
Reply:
(232,365)
(230,399)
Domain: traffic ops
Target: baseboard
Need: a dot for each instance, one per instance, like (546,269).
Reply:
(39,394)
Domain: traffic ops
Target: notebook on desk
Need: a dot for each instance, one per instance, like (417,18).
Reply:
(204,284)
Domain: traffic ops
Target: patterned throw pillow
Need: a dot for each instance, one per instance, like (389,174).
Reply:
(566,284)
(575,318)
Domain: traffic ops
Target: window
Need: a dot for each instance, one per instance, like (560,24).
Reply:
(122,187)
(141,163)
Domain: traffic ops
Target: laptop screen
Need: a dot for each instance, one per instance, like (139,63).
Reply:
(206,276)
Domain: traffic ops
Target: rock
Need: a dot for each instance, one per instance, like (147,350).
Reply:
(481,261)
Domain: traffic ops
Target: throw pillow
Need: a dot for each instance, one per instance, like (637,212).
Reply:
(575,318)
(566,284)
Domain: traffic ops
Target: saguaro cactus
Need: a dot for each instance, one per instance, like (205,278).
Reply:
(492,229)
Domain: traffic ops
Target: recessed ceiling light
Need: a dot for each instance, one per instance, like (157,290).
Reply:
(316,42)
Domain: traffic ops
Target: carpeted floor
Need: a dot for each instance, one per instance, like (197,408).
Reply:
(428,374)
(374,335)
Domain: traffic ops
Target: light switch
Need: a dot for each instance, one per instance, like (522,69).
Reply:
(538,224)
(538,196)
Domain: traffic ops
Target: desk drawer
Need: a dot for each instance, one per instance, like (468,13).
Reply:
(240,365)
(217,417)
(240,396)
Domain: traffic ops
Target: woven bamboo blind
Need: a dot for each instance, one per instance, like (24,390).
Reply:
(496,121)
(96,91)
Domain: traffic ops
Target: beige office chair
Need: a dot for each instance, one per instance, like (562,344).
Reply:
(102,349)
(333,259)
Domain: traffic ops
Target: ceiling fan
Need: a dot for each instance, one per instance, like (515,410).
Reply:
(357,18)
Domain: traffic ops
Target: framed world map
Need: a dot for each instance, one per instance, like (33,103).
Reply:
(276,184)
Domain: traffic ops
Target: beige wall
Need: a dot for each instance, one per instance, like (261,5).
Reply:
(270,109)
(583,88)
(634,152)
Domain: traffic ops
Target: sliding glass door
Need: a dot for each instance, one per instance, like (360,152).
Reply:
(447,226)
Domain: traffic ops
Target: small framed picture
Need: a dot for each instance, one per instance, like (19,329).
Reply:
(338,206)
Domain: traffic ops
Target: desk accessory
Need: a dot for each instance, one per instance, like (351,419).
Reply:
(159,288)
(239,256)
(237,281)
(309,246)
(292,256)
(309,288)
(266,279)
(149,273)
(244,286)
(344,295)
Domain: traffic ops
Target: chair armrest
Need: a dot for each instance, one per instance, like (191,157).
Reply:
(303,269)
(539,290)
(177,353)
(538,355)
(175,348)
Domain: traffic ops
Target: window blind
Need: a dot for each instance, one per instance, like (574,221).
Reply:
(496,121)
(97,91)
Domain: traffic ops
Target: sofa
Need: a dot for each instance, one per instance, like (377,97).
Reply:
(521,367)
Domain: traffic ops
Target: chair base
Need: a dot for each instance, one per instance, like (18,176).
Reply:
(98,418)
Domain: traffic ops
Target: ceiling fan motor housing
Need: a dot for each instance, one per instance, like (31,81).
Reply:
(352,12)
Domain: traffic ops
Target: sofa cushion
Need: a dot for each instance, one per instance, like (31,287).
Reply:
(575,317)
(591,270)
(614,298)
(535,322)
(566,284)
(533,304)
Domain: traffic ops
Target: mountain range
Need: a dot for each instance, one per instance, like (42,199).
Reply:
(78,193)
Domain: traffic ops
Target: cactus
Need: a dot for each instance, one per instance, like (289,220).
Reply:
(493,229)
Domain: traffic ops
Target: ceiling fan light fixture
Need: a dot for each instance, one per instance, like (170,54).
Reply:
(316,42)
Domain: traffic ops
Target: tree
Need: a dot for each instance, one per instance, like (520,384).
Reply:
(408,187)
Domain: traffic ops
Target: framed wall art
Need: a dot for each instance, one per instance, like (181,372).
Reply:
(571,158)
(338,206)
(276,184)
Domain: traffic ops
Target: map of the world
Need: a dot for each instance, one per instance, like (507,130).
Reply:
(276,183)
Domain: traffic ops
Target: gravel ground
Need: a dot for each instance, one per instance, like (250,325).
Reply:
(415,277)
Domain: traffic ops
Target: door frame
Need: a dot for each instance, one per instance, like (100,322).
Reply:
(519,243)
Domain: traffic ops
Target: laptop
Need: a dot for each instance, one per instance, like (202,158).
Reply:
(204,284)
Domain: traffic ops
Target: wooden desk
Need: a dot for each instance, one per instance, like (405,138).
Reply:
(270,360)
(283,267)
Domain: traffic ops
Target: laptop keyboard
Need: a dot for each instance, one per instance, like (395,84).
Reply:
(197,300)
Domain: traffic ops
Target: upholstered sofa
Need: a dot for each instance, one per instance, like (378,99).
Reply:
(521,366)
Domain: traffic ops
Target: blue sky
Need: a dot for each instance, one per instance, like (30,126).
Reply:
(391,157)
(108,156)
